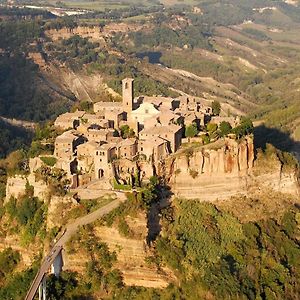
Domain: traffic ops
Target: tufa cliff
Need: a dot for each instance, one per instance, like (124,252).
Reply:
(221,170)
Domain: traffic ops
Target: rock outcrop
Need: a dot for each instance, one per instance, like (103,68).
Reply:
(16,185)
(132,254)
(209,174)
(95,33)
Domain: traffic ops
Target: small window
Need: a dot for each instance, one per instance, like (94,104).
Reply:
(142,149)
(100,160)
(147,111)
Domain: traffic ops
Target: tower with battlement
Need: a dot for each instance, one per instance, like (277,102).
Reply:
(127,89)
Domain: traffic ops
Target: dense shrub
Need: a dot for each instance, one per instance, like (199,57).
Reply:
(215,251)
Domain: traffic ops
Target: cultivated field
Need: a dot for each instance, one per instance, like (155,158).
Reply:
(101,5)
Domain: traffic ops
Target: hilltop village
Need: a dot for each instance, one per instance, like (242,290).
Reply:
(110,141)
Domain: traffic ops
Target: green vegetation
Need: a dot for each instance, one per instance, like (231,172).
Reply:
(49,161)
(21,96)
(9,260)
(245,128)
(165,36)
(129,207)
(99,276)
(43,140)
(29,213)
(15,163)
(17,284)
(86,106)
(120,186)
(211,127)
(126,132)
(12,138)
(76,51)
(115,70)
(211,250)
(224,128)
(24,32)
(216,107)
(256,68)
(266,158)
(86,206)
(191,130)
(54,178)
(23,92)
(124,229)
(107,8)
(259,35)
(60,288)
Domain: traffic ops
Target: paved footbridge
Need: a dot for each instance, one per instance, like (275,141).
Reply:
(67,233)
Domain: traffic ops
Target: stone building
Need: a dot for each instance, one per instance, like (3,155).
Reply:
(65,144)
(154,149)
(127,148)
(69,120)
(158,122)
(233,121)
(114,117)
(171,133)
(168,117)
(85,155)
(101,107)
(127,89)
(99,135)
(103,157)
(144,112)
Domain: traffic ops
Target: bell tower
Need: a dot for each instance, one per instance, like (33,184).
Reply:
(127,90)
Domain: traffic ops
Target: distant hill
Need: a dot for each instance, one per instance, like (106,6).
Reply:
(244,54)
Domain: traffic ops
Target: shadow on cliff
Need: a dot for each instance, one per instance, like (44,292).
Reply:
(283,141)
(154,213)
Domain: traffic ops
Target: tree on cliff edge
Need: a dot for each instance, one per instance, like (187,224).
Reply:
(191,130)
(216,107)
(224,128)
(245,128)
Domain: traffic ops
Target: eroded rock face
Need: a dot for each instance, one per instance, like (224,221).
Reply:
(211,174)
(95,33)
(16,187)
(234,158)
(132,253)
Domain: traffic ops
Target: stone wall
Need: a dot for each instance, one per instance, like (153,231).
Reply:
(16,185)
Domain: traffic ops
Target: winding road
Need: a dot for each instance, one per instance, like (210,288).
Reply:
(67,233)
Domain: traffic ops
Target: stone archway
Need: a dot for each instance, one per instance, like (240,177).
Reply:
(100,173)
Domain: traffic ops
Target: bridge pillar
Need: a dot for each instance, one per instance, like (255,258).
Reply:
(42,289)
(57,265)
